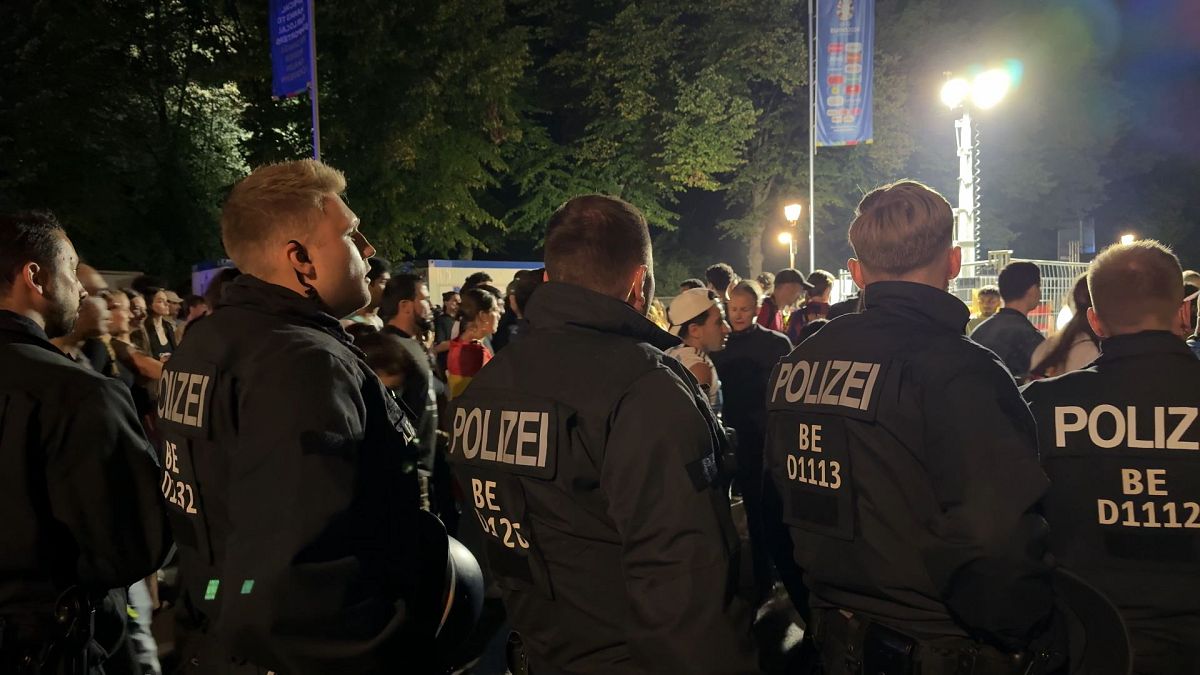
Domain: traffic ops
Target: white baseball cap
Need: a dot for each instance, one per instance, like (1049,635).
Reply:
(689,305)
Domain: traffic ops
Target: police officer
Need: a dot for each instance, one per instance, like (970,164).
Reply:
(78,480)
(291,482)
(589,463)
(902,467)
(1119,440)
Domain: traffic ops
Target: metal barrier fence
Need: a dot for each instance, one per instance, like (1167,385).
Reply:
(1058,279)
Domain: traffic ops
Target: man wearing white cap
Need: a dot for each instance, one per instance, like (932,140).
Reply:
(697,318)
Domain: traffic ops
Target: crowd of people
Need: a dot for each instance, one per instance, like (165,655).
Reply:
(315,437)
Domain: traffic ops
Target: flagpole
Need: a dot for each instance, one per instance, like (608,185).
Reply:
(312,86)
(813,45)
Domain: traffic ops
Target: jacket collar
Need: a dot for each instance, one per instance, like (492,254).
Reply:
(1145,342)
(21,329)
(250,292)
(915,300)
(556,305)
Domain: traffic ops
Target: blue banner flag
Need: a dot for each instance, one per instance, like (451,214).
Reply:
(291,61)
(845,36)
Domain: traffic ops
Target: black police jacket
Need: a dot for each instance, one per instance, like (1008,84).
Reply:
(903,466)
(420,397)
(1121,443)
(292,492)
(744,367)
(588,458)
(78,480)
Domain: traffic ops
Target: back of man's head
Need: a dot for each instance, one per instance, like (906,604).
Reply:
(1016,279)
(399,288)
(274,204)
(25,237)
(821,281)
(901,227)
(720,276)
(689,284)
(1136,287)
(476,279)
(597,241)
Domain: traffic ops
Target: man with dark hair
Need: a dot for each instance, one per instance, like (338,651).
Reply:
(1119,440)
(407,314)
(596,489)
(379,273)
(78,481)
(721,278)
(1009,333)
(789,284)
(987,304)
(815,307)
(885,433)
(689,284)
(476,279)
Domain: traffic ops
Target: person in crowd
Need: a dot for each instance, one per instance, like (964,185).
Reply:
(522,292)
(885,432)
(697,317)
(138,311)
(160,334)
(1189,291)
(1009,332)
(811,328)
(657,314)
(789,284)
(509,320)
(766,282)
(79,483)
(294,495)
(175,303)
(377,279)
(851,305)
(1193,340)
(1191,277)
(478,315)
(212,294)
(1119,441)
(987,303)
(93,282)
(405,308)
(1075,346)
(389,358)
(689,284)
(194,307)
(445,328)
(92,323)
(476,279)
(720,278)
(816,304)
(744,367)
(608,533)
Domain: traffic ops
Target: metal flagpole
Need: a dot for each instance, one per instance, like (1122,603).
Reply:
(813,45)
(312,86)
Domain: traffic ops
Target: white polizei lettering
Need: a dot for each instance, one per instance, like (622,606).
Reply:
(192,401)
(869,389)
(854,380)
(794,394)
(460,419)
(177,397)
(785,369)
(474,419)
(1160,426)
(839,369)
(524,436)
(164,391)
(1062,427)
(1176,442)
(508,424)
(1134,441)
(1094,423)
(813,390)
(484,453)
(203,400)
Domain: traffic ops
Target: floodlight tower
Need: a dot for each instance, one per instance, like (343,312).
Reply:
(987,90)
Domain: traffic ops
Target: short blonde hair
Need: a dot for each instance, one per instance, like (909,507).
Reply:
(1133,283)
(901,227)
(276,202)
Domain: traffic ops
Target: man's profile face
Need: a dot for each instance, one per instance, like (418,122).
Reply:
(339,253)
(989,304)
(742,311)
(787,294)
(377,287)
(713,332)
(451,305)
(62,290)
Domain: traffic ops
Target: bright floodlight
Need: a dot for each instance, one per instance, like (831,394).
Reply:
(954,92)
(792,213)
(785,238)
(990,87)
(1128,239)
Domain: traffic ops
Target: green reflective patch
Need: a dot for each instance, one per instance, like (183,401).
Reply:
(247,586)
(211,591)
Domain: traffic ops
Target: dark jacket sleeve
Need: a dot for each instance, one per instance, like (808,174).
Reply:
(103,479)
(989,551)
(675,532)
(310,517)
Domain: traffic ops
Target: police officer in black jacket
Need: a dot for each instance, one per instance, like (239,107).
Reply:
(589,463)
(1121,443)
(78,480)
(293,485)
(902,465)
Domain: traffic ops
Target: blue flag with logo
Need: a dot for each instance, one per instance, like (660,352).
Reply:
(845,35)
(291,70)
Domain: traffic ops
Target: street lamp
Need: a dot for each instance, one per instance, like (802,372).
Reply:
(792,213)
(984,92)
(786,239)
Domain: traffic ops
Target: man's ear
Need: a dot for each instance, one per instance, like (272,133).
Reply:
(954,263)
(856,273)
(34,276)
(298,258)
(1094,322)
(1183,319)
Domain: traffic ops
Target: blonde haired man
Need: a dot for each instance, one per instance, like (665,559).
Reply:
(902,466)
(1119,440)
(290,473)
